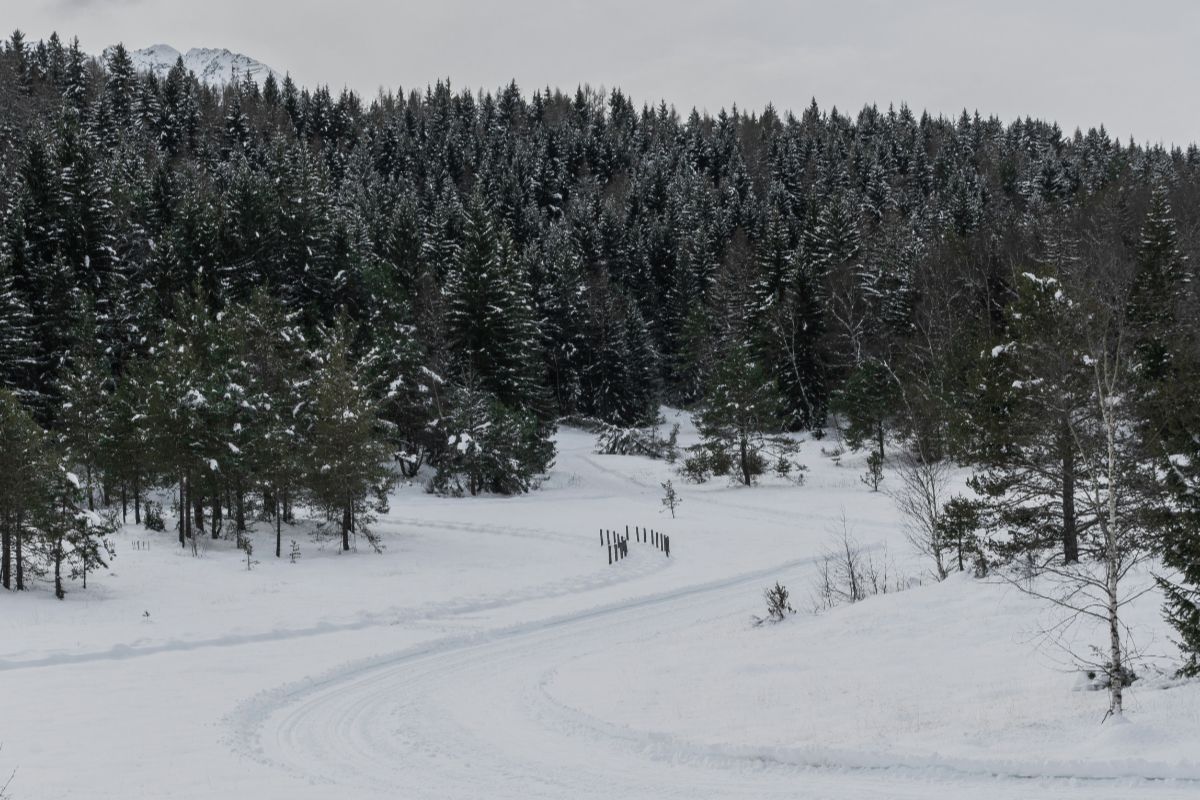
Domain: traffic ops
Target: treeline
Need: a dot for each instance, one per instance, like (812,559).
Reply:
(490,262)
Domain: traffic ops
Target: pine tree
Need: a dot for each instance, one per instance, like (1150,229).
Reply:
(266,439)
(489,314)
(1166,365)
(788,326)
(561,307)
(489,446)
(84,410)
(1039,384)
(72,541)
(740,406)
(344,457)
(16,340)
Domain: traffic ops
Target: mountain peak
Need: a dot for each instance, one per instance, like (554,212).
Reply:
(213,65)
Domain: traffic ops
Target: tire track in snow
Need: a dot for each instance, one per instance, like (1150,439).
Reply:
(430,612)
(471,716)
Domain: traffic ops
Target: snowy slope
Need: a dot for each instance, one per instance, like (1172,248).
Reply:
(491,651)
(211,65)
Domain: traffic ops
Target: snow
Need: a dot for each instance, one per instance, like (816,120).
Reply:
(491,651)
(211,64)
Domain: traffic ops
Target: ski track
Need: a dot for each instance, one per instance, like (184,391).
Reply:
(475,716)
(431,612)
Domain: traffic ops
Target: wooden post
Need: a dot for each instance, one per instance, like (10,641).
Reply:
(610,554)
(602,536)
(667,549)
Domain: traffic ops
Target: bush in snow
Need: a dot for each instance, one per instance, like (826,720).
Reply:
(671,498)
(154,517)
(778,604)
(874,474)
(615,440)
(847,573)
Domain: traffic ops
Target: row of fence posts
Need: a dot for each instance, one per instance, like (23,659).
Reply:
(618,544)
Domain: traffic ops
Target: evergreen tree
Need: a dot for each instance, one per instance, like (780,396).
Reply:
(84,413)
(344,458)
(739,408)
(489,315)
(1039,385)
(1166,365)
(489,446)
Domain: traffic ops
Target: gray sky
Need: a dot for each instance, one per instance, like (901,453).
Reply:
(1128,65)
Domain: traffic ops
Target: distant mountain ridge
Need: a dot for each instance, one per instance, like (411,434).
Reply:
(212,65)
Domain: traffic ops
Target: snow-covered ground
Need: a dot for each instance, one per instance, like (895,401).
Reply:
(492,652)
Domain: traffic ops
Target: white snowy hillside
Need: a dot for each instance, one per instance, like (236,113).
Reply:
(491,651)
(213,65)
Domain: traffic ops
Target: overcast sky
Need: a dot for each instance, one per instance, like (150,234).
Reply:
(1129,65)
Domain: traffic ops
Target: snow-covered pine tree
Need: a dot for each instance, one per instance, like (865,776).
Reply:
(739,410)
(1037,383)
(16,339)
(1166,368)
(266,435)
(343,457)
(84,390)
(489,447)
(489,314)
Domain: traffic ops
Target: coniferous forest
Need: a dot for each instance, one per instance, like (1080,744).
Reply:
(261,295)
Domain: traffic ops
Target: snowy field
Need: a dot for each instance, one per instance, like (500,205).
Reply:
(491,652)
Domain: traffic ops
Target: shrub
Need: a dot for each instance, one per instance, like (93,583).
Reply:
(778,605)
(153,518)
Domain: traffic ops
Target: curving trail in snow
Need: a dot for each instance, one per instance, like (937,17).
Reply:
(491,652)
(477,716)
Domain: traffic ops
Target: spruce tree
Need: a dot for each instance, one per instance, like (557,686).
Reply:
(489,314)
(489,447)
(84,410)
(1167,373)
(343,454)
(740,408)
(1038,385)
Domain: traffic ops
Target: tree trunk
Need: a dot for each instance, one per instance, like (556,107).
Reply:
(124,504)
(346,527)
(91,503)
(137,500)
(744,460)
(239,498)
(198,511)
(20,559)
(185,519)
(1069,529)
(215,522)
(1112,570)
(6,556)
(278,529)
(58,559)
